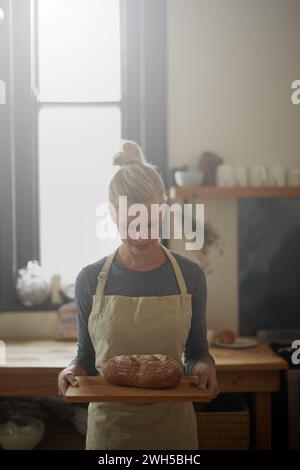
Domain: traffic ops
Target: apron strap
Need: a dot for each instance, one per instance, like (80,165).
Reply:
(177,270)
(103,275)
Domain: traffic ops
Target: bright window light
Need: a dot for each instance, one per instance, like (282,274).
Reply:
(79,50)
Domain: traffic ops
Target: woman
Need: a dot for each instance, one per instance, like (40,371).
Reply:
(141,299)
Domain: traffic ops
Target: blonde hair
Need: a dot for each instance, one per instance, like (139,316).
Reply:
(136,179)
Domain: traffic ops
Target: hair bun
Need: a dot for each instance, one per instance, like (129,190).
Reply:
(130,153)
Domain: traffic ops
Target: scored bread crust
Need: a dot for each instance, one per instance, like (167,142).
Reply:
(143,370)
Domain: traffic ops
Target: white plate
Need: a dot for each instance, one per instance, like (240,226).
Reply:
(240,343)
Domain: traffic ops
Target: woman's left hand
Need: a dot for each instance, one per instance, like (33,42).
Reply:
(205,370)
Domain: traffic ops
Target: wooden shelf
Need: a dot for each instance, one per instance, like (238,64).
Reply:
(203,192)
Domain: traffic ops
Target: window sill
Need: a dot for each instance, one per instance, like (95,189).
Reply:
(19,307)
(26,325)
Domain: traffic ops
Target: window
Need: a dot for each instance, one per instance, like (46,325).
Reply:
(75,77)
(77,51)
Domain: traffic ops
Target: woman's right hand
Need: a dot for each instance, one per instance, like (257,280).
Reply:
(68,377)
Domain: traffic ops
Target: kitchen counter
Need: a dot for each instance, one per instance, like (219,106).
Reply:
(32,367)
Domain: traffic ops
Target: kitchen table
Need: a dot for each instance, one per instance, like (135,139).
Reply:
(32,367)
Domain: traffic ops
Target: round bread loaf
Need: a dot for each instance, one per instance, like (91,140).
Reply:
(227,336)
(143,370)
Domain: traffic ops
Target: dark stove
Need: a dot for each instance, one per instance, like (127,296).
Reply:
(285,403)
(285,351)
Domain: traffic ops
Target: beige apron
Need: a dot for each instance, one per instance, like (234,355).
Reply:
(120,324)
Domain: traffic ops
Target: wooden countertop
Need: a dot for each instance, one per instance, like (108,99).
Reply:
(55,355)
(260,357)
(45,354)
(32,367)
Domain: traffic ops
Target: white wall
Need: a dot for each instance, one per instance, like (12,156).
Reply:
(230,68)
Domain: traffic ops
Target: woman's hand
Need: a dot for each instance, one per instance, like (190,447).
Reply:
(205,370)
(68,377)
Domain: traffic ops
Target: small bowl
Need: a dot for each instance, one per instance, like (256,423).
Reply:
(189,177)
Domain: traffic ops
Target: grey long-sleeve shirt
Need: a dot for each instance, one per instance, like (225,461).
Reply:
(159,282)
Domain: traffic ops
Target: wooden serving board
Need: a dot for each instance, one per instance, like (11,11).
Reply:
(96,389)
